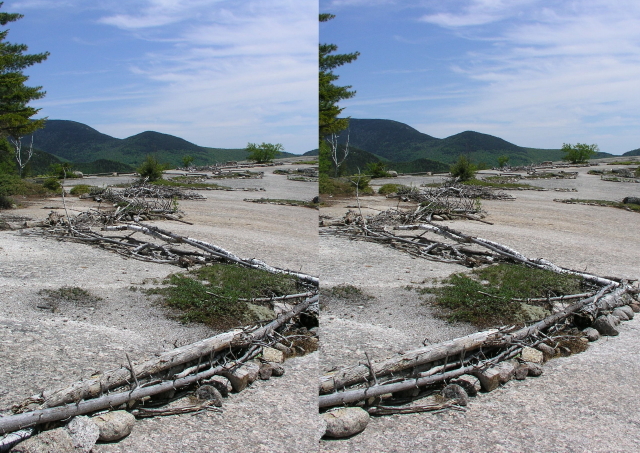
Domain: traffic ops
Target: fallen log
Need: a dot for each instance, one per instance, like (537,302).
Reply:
(418,357)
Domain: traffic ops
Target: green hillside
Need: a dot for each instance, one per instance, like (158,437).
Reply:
(635,152)
(79,143)
(399,142)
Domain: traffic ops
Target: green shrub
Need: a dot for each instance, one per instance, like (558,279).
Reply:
(361,182)
(386,189)
(6,202)
(334,186)
(151,169)
(52,184)
(377,170)
(463,169)
(80,189)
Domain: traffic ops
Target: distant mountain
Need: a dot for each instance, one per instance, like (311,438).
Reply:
(398,142)
(635,152)
(79,143)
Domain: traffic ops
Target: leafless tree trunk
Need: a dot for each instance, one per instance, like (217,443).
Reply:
(333,142)
(20,158)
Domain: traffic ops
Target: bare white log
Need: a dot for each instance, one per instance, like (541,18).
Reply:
(167,236)
(361,373)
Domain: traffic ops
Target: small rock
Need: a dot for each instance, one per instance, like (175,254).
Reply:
(620,314)
(436,217)
(469,383)
(273,355)
(591,334)
(221,383)
(635,306)
(54,441)
(532,355)
(278,370)
(266,370)
(243,376)
(489,379)
(457,393)
(627,311)
(605,325)
(114,425)
(345,422)
(209,393)
(522,370)
(84,433)
(535,369)
(547,350)
(507,371)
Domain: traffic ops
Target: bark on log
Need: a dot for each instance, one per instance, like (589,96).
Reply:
(361,373)
(99,384)
(170,237)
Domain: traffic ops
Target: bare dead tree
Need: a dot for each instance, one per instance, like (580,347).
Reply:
(335,147)
(20,158)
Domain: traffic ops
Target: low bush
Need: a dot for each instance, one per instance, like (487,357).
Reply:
(52,184)
(386,189)
(80,189)
(6,202)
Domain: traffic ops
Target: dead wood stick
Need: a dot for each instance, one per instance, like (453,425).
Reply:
(360,373)
(390,410)
(12,423)
(269,299)
(167,236)
(283,318)
(553,299)
(351,396)
(98,384)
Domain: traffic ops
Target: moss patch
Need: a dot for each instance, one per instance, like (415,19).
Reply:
(212,294)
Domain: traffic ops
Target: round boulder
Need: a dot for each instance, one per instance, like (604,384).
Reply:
(591,334)
(606,325)
(457,393)
(114,425)
(345,422)
(209,393)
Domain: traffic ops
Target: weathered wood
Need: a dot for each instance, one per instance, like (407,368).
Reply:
(100,383)
(428,354)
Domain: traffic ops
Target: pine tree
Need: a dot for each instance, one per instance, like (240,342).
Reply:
(15,112)
(331,94)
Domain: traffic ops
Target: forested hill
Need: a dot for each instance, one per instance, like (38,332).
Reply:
(79,143)
(398,142)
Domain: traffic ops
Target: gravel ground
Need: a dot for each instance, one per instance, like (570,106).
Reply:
(581,403)
(46,348)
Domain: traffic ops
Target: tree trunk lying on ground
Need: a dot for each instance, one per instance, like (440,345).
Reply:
(88,396)
(403,372)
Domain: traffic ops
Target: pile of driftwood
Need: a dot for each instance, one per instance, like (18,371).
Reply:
(240,356)
(143,190)
(484,359)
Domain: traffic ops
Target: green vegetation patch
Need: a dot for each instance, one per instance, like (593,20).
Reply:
(213,294)
(386,189)
(486,296)
(73,294)
(14,185)
(80,189)
(501,182)
(623,162)
(611,204)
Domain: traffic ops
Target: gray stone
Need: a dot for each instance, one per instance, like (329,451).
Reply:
(591,334)
(345,422)
(114,425)
(84,433)
(266,370)
(535,369)
(620,314)
(627,311)
(635,306)
(273,355)
(489,379)
(522,370)
(241,377)
(278,370)
(507,371)
(457,393)
(54,441)
(469,383)
(221,383)
(547,350)
(605,325)
(532,355)
(209,393)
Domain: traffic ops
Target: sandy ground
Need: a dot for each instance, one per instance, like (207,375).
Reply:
(44,349)
(581,403)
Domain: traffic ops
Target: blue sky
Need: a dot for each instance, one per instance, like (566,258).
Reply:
(537,73)
(218,73)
